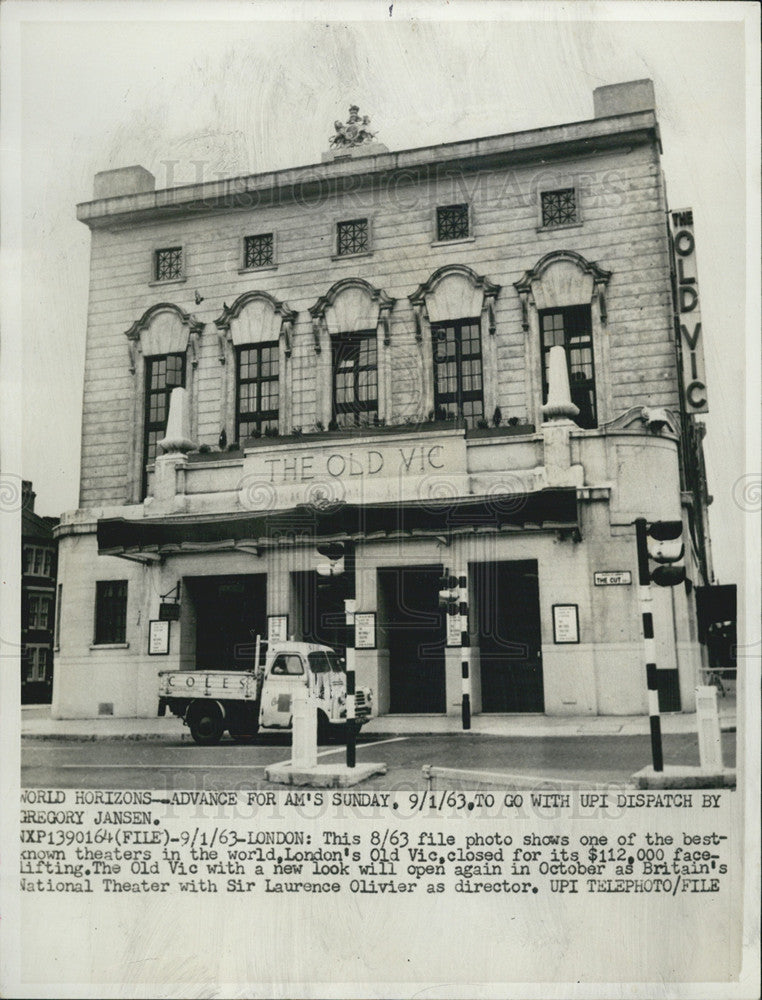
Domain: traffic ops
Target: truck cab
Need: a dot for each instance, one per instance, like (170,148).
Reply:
(211,702)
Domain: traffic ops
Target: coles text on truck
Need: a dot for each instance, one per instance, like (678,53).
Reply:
(245,701)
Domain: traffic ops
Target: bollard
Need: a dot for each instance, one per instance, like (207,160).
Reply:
(304,729)
(349,608)
(649,646)
(465,650)
(708,724)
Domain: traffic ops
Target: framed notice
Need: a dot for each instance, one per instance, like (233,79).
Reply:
(365,630)
(277,628)
(565,623)
(454,631)
(158,637)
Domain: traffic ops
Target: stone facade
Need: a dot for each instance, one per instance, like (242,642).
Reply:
(512,268)
(39,565)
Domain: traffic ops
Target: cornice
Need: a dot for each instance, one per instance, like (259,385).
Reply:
(385,302)
(194,325)
(600,276)
(490,289)
(229,313)
(586,138)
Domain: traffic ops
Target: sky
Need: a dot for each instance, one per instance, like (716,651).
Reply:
(221,90)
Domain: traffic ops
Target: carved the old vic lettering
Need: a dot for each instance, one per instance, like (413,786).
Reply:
(303,467)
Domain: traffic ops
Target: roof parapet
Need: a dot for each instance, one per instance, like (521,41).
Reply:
(624,98)
(124,180)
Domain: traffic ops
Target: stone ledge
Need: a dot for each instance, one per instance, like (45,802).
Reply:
(322,775)
(684,776)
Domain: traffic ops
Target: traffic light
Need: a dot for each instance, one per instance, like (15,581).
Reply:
(449,597)
(334,553)
(331,550)
(661,543)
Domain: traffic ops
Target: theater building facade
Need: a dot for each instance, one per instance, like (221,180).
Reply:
(364,347)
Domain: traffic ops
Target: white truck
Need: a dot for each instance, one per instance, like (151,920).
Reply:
(245,701)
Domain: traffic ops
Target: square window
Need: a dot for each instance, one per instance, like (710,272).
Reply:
(37,661)
(174,376)
(458,371)
(29,659)
(355,379)
(559,208)
(168,264)
(570,327)
(257,398)
(38,613)
(452,222)
(258,251)
(163,374)
(110,612)
(352,237)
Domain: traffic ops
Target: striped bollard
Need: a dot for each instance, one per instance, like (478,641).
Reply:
(465,643)
(349,610)
(644,595)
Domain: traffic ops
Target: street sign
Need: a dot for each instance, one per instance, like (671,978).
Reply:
(612,578)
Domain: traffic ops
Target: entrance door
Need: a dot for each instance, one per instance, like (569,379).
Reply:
(414,626)
(507,606)
(230,612)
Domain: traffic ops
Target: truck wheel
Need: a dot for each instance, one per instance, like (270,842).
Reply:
(206,722)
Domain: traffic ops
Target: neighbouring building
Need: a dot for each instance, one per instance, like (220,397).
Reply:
(363,348)
(39,619)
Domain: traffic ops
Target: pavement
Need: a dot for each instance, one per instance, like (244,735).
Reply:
(36,723)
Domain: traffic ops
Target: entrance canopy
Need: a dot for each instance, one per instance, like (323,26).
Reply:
(148,539)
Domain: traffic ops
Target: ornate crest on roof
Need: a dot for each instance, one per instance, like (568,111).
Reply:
(354,132)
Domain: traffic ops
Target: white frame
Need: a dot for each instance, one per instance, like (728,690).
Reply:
(569,620)
(158,637)
(41,593)
(367,620)
(281,619)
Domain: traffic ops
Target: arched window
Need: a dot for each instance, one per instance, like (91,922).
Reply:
(563,304)
(163,351)
(255,336)
(455,328)
(350,326)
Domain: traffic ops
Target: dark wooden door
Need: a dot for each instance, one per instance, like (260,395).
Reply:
(230,612)
(415,633)
(508,625)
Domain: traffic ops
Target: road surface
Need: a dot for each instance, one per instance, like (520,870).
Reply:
(180,764)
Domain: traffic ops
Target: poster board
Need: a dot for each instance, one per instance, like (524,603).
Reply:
(453,943)
(158,637)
